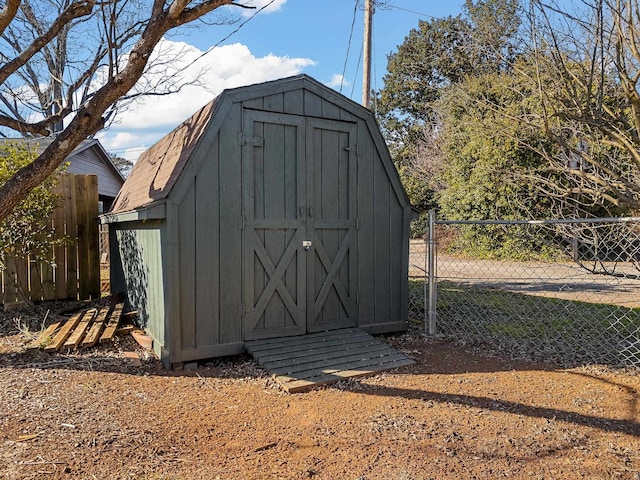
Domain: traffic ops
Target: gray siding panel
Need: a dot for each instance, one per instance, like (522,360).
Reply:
(330,110)
(187,269)
(382,242)
(312,104)
(141,268)
(294,102)
(367,218)
(255,103)
(396,217)
(274,103)
(207,248)
(230,232)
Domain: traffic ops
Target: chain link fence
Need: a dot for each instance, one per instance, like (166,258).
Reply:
(572,297)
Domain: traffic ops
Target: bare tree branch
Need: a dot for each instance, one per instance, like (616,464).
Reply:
(98,104)
(73,11)
(8,13)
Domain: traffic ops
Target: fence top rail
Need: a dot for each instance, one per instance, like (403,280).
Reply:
(539,222)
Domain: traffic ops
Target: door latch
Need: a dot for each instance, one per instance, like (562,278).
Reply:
(306,244)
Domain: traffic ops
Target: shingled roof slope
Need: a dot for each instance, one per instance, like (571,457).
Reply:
(157,170)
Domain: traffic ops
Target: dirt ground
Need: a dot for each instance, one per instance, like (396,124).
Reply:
(458,413)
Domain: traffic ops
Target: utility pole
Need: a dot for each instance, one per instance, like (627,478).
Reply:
(366,68)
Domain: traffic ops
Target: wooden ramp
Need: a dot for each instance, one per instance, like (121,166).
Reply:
(305,361)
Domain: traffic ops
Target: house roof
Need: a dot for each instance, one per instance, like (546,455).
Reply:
(44,142)
(158,168)
(89,157)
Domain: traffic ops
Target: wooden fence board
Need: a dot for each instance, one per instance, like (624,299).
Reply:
(71,222)
(48,278)
(60,251)
(72,269)
(35,280)
(92,237)
(9,283)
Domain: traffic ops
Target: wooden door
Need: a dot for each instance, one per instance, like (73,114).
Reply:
(299,178)
(274,224)
(331,225)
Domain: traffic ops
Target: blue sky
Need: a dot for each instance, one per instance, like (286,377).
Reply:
(287,38)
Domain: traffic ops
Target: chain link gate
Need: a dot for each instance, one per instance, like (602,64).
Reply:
(579,304)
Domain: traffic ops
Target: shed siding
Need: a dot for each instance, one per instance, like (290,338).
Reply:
(381,242)
(366,214)
(137,266)
(230,232)
(187,269)
(210,242)
(379,239)
(357,215)
(207,246)
(294,102)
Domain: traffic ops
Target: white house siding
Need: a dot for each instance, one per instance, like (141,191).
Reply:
(86,163)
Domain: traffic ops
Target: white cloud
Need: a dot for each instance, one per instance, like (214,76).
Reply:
(148,118)
(336,81)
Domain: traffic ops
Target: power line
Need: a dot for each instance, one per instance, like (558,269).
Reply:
(224,39)
(355,77)
(353,22)
(411,11)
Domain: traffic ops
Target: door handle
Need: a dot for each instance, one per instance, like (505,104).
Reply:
(310,211)
(306,244)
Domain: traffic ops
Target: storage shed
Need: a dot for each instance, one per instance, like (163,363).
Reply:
(275,210)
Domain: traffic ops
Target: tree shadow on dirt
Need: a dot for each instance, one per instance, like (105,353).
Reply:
(628,427)
(433,357)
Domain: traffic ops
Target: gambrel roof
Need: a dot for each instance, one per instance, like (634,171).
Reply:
(158,168)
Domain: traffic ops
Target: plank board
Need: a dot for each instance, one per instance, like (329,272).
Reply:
(45,337)
(112,326)
(305,361)
(93,335)
(64,333)
(79,332)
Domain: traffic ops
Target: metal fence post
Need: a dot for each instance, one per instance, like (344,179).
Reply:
(431,313)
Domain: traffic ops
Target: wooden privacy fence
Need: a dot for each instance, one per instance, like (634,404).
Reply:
(72,269)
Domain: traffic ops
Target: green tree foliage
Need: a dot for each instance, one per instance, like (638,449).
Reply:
(122,164)
(489,158)
(432,57)
(435,57)
(489,153)
(27,231)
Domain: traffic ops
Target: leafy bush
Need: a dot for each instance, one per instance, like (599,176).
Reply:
(28,231)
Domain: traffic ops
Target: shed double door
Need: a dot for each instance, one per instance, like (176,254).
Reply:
(299,221)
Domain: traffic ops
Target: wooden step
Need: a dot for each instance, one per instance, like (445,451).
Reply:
(305,361)
(83,329)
